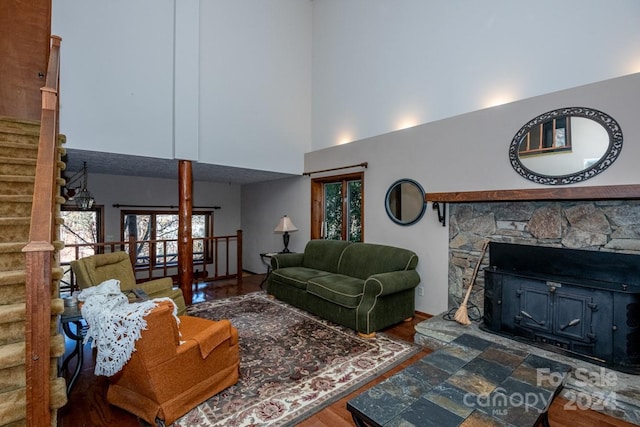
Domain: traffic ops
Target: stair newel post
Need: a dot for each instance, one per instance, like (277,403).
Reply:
(185,237)
(37,347)
(39,253)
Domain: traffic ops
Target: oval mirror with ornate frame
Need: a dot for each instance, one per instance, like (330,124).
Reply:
(565,146)
(404,202)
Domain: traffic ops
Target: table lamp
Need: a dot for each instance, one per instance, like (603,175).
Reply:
(285,226)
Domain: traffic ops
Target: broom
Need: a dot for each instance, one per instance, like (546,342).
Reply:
(461,316)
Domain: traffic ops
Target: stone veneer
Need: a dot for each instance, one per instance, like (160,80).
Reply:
(611,225)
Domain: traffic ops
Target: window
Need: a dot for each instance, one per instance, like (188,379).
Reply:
(157,234)
(336,209)
(79,228)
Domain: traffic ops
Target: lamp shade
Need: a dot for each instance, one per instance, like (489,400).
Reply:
(285,225)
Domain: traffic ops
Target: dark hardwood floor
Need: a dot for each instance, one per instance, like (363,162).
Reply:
(87,406)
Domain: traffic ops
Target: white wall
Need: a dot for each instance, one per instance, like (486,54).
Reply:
(255,83)
(381,65)
(262,207)
(116,75)
(138,75)
(462,153)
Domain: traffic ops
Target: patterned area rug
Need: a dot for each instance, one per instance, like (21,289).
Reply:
(292,364)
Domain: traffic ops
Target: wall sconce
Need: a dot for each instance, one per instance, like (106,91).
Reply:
(83,198)
(285,226)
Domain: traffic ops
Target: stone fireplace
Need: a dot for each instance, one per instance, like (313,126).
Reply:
(606,226)
(596,229)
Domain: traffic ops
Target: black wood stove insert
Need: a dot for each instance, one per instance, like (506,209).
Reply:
(585,304)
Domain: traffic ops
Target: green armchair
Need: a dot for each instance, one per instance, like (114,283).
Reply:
(95,269)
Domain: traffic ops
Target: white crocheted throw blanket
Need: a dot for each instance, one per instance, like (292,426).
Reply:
(114,324)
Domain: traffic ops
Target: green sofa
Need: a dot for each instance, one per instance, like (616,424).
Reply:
(363,286)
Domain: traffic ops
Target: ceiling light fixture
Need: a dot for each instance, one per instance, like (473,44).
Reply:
(83,198)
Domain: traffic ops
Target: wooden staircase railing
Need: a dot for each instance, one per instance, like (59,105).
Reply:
(39,252)
(217,253)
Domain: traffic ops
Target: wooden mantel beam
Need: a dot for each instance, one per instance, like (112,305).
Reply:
(611,192)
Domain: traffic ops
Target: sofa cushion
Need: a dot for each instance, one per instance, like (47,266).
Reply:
(362,260)
(296,276)
(339,289)
(323,254)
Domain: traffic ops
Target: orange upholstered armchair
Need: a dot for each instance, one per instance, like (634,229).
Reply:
(165,379)
(95,269)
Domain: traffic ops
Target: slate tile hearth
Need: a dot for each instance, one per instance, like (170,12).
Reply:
(611,392)
(471,381)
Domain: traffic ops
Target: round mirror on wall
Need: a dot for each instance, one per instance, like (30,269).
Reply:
(565,146)
(404,202)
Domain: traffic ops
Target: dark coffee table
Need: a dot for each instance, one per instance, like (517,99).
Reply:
(471,382)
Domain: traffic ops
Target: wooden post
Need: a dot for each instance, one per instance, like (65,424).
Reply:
(37,333)
(185,238)
(239,258)
(133,252)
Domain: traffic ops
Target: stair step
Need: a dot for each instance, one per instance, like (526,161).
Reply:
(17,166)
(12,323)
(16,184)
(57,272)
(11,256)
(15,205)
(18,150)
(12,355)
(14,406)
(13,402)
(14,229)
(10,313)
(10,247)
(26,140)
(11,124)
(12,287)
(12,378)
(10,278)
(22,139)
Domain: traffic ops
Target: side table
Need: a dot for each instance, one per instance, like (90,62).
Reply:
(265,257)
(470,382)
(72,315)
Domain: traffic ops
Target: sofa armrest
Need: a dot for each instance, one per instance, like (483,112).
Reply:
(391,282)
(204,333)
(393,286)
(156,285)
(286,260)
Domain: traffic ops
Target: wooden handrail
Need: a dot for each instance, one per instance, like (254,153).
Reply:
(39,252)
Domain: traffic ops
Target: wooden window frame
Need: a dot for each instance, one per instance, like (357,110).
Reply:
(317,202)
(99,210)
(208,253)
